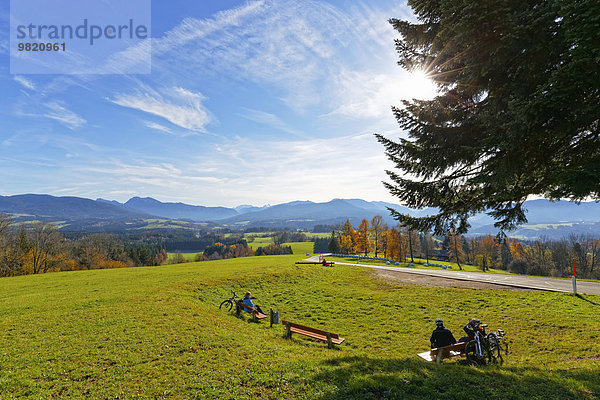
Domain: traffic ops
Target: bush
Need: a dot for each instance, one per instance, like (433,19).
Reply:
(273,250)
(178,258)
(518,266)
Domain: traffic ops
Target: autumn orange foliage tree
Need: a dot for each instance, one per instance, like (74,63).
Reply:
(363,244)
(347,238)
(395,250)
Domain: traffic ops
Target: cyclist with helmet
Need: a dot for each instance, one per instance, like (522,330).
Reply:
(441,336)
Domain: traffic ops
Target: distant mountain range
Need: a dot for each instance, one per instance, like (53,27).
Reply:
(551,219)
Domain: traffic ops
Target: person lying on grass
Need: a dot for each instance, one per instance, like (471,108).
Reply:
(248,301)
(441,336)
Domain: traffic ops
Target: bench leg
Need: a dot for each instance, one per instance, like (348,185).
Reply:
(329,343)
(254,319)
(238,310)
(288,332)
(440,355)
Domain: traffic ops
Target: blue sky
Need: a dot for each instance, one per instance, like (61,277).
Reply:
(252,102)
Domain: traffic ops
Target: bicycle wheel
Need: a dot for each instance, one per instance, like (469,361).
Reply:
(471,353)
(227,304)
(486,350)
(494,348)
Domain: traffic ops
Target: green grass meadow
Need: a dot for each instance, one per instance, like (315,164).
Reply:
(299,248)
(157,332)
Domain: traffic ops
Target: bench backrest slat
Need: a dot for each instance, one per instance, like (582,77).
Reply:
(245,306)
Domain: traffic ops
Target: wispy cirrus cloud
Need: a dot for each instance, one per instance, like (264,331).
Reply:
(270,120)
(58,112)
(158,127)
(177,105)
(300,169)
(296,47)
(147,178)
(242,170)
(26,83)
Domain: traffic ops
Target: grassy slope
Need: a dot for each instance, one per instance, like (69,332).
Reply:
(158,332)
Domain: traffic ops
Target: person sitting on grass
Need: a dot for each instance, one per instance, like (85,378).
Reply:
(441,336)
(248,301)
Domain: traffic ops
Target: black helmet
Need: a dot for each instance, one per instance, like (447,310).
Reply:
(439,322)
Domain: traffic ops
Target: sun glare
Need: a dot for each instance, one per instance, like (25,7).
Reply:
(418,85)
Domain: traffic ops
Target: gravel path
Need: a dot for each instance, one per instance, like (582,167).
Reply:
(515,281)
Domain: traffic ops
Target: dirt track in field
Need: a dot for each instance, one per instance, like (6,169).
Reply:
(404,278)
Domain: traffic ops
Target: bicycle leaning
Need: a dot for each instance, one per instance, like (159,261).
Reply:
(484,347)
(229,303)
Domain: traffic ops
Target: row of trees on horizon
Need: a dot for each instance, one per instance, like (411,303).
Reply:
(40,248)
(540,257)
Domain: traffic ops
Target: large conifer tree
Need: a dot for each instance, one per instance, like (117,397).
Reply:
(518,112)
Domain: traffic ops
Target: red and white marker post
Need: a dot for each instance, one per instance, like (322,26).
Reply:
(574,279)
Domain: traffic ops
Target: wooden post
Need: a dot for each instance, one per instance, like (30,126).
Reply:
(288,332)
(274,317)
(440,355)
(254,319)
(238,309)
(329,343)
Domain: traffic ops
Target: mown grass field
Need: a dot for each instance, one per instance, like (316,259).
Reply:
(157,332)
(299,248)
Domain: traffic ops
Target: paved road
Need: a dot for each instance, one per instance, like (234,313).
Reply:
(529,282)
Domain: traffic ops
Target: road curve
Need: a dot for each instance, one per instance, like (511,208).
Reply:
(527,282)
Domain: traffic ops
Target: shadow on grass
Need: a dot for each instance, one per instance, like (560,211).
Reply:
(588,300)
(370,378)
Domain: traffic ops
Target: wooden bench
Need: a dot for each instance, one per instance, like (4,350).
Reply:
(256,316)
(439,353)
(329,337)
(326,264)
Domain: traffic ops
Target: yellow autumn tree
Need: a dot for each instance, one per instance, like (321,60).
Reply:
(363,244)
(395,250)
(348,230)
(346,244)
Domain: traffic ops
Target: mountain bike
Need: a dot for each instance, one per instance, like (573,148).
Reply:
(485,347)
(229,303)
(497,345)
